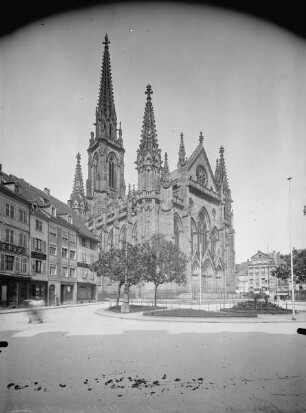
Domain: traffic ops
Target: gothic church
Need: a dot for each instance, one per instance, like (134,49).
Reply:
(191,205)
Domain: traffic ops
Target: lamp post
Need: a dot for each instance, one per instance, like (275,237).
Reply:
(200,269)
(291,258)
(125,307)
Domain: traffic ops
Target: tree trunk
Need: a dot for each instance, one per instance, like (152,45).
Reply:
(155,295)
(118,294)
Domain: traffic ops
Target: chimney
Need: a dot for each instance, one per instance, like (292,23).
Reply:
(47,191)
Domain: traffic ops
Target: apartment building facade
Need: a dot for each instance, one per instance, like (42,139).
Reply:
(46,249)
(14,247)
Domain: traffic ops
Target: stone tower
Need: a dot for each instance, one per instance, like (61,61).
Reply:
(149,168)
(105,152)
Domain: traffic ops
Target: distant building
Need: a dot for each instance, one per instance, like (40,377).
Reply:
(260,279)
(192,205)
(242,278)
(46,249)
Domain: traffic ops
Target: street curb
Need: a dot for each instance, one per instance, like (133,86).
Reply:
(123,316)
(51,307)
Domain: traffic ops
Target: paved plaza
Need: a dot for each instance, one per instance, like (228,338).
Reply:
(86,359)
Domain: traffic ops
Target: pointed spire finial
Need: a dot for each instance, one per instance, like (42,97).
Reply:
(201,138)
(106,41)
(182,152)
(149,92)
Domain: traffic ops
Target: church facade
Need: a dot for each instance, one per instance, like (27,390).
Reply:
(192,205)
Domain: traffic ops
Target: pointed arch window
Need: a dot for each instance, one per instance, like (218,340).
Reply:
(194,237)
(208,273)
(112,172)
(95,168)
(122,242)
(214,243)
(202,234)
(135,235)
(110,240)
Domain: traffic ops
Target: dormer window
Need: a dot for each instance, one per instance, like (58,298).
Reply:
(53,211)
(70,219)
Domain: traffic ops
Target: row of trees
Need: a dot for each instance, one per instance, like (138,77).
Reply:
(283,271)
(156,261)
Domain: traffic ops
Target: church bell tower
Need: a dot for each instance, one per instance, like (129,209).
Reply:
(105,153)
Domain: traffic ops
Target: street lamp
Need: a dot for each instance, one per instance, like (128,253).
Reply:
(304,210)
(200,269)
(291,258)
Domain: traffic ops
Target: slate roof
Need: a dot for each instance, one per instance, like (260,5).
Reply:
(33,194)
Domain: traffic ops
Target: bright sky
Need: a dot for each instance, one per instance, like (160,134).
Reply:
(238,80)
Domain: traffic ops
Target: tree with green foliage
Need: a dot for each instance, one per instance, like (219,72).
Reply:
(283,270)
(121,264)
(164,262)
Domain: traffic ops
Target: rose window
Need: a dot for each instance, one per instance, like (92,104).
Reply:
(201,175)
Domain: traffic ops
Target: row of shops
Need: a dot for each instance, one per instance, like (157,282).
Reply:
(15,290)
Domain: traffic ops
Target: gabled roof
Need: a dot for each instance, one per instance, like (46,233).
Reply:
(43,199)
(259,253)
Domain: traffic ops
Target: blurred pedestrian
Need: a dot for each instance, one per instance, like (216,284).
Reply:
(57,300)
(36,306)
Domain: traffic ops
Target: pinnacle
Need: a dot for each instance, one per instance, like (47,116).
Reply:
(182,152)
(201,138)
(149,92)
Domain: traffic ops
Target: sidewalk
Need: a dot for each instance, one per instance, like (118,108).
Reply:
(262,318)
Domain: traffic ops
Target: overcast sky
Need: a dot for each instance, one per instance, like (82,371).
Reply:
(238,80)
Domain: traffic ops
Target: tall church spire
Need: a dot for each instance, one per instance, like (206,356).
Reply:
(148,141)
(77,199)
(148,155)
(106,118)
